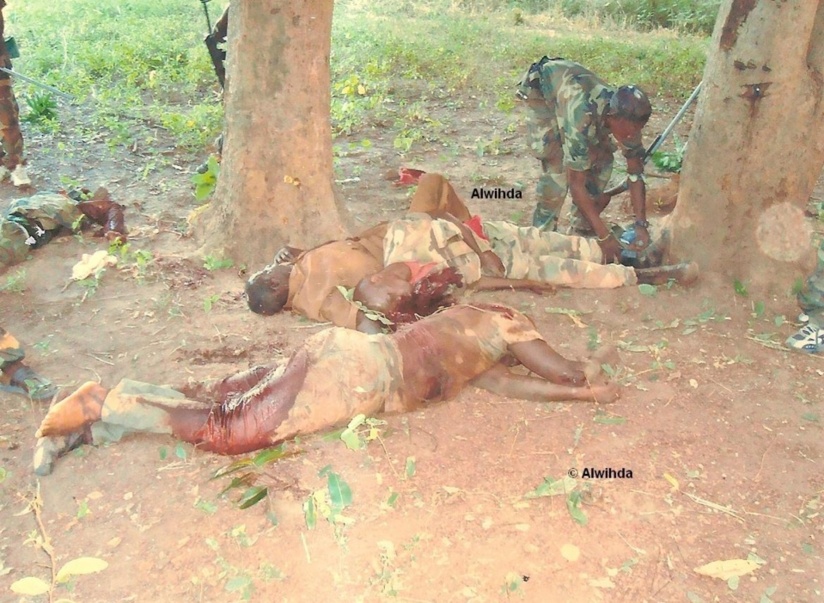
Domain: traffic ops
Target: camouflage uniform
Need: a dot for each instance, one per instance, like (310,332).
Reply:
(551,257)
(526,252)
(9,111)
(567,131)
(29,222)
(418,237)
(811,297)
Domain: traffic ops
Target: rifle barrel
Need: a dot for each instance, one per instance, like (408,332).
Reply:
(26,78)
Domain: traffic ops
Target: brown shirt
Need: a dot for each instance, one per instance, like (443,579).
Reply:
(313,285)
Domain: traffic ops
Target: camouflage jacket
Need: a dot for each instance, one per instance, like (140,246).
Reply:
(28,218)
(576,99)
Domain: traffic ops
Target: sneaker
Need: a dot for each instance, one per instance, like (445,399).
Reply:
(808,339)
(19,177)
(683,274)
(25,381)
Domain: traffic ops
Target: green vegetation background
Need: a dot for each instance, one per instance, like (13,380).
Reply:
(138,65)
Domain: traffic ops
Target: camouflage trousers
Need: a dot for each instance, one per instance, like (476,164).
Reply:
(546,142)
(27,221)
(10,126)
(10,349)
(551,257)
(811,296)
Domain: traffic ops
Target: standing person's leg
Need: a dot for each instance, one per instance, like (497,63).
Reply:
(547,145)
(810,337)
(599,175)
(13,161)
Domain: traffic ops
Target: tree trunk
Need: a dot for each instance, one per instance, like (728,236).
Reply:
(276,181)
(756,147)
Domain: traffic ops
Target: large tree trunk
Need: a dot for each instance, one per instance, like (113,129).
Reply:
(276,180)
(757,144)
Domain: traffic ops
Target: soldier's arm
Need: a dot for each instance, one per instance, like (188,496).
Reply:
(490,263)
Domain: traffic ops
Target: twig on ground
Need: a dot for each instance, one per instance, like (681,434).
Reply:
(100,359)
(714,506)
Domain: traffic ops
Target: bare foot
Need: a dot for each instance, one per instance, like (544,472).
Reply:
(602,393)
(74,412)
(604,355)
(287,255)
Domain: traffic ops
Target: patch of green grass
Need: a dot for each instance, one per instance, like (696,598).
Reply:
(137,66)
(15,283)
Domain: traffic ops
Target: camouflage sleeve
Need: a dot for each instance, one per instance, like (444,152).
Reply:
(576,120)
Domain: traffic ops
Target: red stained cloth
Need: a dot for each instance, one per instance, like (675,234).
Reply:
(476,226)
(408,176)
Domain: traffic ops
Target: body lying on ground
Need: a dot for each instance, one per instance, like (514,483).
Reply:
(439,232)
(337,374)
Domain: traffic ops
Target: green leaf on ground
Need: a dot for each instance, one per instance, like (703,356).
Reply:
(339,492)
(609,419)
(310,513)
(252,496)
(410,466)
(649,290)
(740,288)
(573,503)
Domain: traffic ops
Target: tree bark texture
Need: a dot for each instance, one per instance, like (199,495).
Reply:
(756,147)
(276,177)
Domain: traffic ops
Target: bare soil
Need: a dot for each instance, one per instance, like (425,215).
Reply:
(720,428)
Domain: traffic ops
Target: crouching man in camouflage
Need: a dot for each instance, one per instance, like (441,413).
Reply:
(573,118)
(13,163)
(810,337)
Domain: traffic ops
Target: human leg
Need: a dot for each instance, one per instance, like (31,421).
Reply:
(554,258)
(12,138)
(597,178)
(810,337)
(502,381)
(546,144)
(435,195)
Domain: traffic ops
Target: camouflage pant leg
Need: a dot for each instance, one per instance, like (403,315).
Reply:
(811,296)
(597,180)
(550,257)
(10,126)
(13,247)
(545,143)
(10,349)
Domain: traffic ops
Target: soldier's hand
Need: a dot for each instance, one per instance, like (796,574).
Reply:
(641,239)
(611,249)
(491,264)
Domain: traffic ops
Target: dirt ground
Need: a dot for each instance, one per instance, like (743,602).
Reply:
(720,428)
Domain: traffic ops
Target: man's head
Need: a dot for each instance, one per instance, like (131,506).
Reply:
(630,103)
(268,290)
(629,111)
